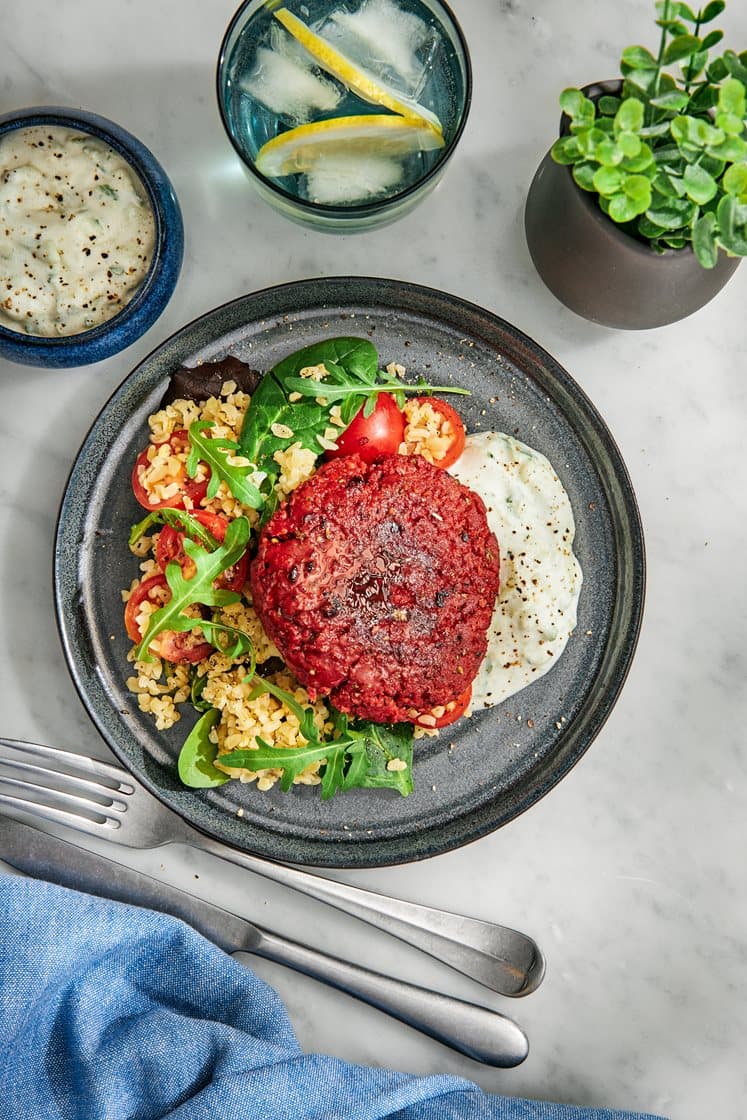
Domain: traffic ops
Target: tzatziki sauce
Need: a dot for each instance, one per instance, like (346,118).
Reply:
(530,513)
(76,231)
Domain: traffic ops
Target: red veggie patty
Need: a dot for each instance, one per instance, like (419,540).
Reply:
(377,583)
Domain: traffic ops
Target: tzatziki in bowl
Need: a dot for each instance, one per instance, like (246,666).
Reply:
(92,239)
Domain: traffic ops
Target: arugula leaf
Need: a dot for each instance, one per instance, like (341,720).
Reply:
(357,758)
(221,634)
(177,519)
(141,528)
(214,452)
(198,754)
(196,688)
(305,716)
(198,588)
(384,743)
(337,392)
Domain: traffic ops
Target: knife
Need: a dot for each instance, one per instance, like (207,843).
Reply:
(479,1032)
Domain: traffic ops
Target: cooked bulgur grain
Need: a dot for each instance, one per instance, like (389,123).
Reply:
(426,431)
(160,686)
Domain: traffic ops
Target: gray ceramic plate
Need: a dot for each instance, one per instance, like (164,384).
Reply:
(485,770)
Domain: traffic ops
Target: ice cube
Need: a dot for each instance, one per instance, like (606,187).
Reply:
(284,81)
(383,38)
(345,179)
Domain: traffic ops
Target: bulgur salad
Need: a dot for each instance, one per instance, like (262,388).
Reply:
(212,629)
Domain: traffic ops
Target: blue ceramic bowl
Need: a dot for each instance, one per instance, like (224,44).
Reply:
(156,289)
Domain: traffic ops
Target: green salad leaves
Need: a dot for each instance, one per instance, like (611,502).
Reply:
(287,408)
(358,754)
(178,519)
(271,410)
(197,756)
(215,452)
(199,589)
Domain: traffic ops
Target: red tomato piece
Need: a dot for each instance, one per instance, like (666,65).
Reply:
(155,590)
(170,546)
(190,492)
(450,424)
(381,433)
(173,645)
(453,711)
(182,645)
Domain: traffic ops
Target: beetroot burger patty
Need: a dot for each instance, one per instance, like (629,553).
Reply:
(377,582)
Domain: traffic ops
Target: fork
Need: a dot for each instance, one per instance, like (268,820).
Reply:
(104,800)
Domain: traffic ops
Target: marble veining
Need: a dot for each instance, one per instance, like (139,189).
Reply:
(630,873)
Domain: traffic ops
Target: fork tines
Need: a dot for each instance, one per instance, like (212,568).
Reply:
(61,786)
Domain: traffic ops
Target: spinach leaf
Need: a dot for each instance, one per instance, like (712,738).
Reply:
(357,356)
(214,452)
(198,754)
(198,588)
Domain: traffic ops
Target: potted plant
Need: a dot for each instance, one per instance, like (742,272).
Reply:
(638,214)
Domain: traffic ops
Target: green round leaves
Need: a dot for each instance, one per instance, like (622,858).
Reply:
(668,157)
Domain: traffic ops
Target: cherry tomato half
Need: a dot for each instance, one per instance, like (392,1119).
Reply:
(381,433)
(170,546)
(450,425)
(173,645)
(454,711)
(187,488)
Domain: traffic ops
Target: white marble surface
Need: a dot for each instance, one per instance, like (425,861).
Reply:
(630,873)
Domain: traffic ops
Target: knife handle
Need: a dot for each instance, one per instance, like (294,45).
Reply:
(501,958)
(474,1030)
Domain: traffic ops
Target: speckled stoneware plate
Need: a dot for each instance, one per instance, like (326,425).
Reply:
(483,771)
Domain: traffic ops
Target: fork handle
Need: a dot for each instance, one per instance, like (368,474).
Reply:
(500,958)
(480,1033)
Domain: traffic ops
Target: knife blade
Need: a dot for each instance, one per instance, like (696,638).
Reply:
(481,1033)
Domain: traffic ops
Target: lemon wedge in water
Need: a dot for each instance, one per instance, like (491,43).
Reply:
(359,81)
(301,148)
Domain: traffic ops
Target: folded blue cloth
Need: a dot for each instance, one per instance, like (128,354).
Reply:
(113,1012)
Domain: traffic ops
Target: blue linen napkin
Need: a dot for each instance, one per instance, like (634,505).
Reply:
(114,1012)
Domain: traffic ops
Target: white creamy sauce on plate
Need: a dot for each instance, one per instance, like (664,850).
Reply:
(76,231)
(531,515)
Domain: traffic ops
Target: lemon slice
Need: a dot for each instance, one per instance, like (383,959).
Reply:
(356,79)
(301,148)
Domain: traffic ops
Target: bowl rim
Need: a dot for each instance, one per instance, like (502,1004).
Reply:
(363,209)
(138,314)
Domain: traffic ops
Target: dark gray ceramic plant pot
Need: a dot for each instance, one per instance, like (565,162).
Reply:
(599,271)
